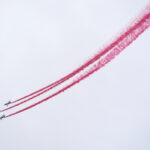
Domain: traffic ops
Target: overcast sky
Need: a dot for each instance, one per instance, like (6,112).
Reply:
(43,40)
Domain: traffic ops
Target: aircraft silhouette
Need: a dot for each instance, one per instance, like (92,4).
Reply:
(3,116)
(8,103)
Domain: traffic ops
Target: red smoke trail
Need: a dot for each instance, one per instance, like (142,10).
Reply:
(92,60)
(113,44)
(130,35)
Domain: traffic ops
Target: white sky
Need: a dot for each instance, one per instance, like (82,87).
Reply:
(43,40)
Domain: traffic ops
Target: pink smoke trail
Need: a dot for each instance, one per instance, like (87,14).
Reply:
(141,24)
(52,85)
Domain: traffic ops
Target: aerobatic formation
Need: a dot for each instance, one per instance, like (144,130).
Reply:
(104,56)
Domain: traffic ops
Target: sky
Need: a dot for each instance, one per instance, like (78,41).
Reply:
(43,40)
